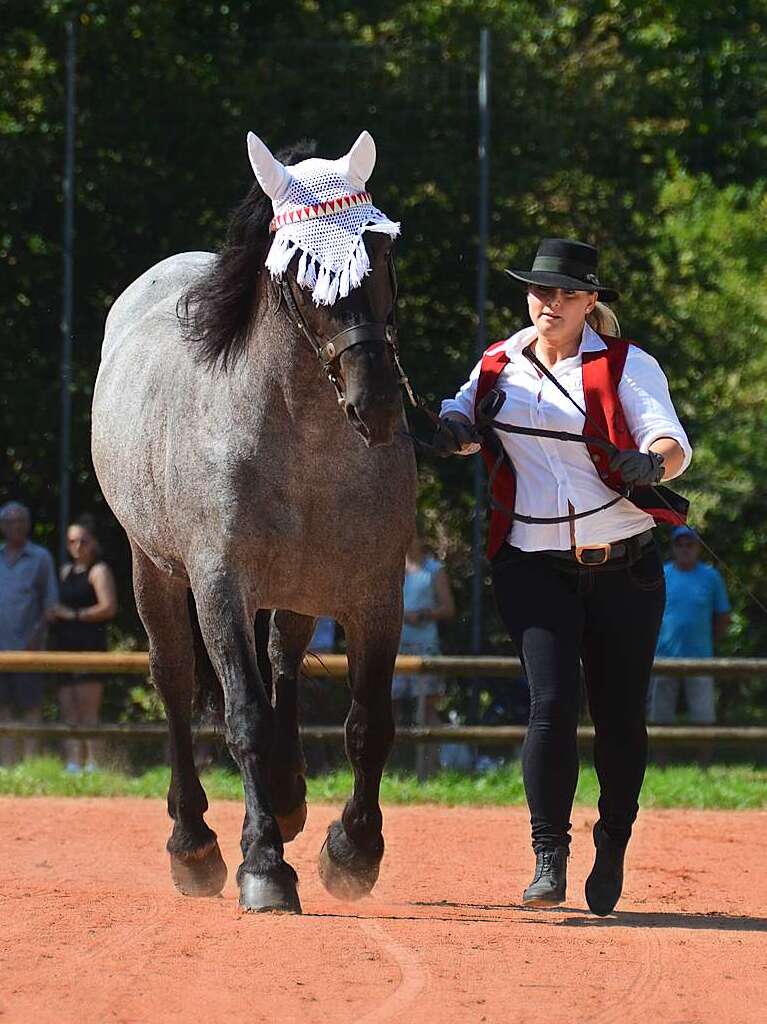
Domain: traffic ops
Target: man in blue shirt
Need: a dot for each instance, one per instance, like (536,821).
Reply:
(28,593)
(697,614)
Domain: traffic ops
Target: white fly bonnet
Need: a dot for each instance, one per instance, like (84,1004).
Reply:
(321,209)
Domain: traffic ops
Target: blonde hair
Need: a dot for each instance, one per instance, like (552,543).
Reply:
(603,320)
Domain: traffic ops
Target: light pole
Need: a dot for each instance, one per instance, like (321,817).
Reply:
(65,368)
(481,342)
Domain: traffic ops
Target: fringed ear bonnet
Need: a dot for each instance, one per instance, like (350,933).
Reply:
(321,210)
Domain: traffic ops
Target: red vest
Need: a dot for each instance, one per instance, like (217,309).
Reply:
(602,372)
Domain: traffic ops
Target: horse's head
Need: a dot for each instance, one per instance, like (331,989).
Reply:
(331,256)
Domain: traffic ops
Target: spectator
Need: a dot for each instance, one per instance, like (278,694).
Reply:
(508,704)
(323,639)
(428,600)
(27,595)
(697,614)
(319,703)
(88,602)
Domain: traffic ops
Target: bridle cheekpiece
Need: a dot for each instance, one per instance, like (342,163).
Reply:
(329,353)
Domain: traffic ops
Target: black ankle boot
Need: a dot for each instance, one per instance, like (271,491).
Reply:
(549,886)
(605,883)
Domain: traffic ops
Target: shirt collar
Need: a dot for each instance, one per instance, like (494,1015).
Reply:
(590,341)
(26,550)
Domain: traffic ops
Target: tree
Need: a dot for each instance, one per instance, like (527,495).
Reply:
(709,257)
(592,103)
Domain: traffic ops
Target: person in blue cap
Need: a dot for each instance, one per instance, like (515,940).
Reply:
(697,615)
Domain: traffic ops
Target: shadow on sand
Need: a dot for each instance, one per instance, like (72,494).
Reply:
(661,919)
(621,918)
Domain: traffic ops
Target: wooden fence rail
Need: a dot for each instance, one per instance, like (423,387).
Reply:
(477,734)
(335,665)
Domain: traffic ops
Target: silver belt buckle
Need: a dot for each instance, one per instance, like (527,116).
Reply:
(592,554)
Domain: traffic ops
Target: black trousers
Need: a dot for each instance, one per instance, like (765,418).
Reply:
(560,614)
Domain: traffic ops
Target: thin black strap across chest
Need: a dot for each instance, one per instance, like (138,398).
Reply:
(493,402)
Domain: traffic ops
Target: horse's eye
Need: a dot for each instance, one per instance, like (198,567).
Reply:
(379,246)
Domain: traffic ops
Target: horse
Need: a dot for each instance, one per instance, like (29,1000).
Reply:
(248,437)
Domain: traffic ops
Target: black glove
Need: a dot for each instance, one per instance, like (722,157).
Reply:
(638,469)
(451,436)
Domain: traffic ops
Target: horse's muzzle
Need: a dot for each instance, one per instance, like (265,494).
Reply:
(376,428)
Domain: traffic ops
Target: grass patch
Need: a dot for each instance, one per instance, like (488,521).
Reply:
(730,787)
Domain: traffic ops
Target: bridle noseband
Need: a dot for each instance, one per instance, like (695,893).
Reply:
(329,352)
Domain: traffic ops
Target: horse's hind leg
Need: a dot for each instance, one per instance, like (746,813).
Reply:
(352,852)
(288,638)
(226,615)
(197,867)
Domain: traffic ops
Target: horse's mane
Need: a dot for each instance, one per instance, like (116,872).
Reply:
(216,312)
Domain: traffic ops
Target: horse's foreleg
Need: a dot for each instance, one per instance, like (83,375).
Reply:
(290,633)
(352,853)
(266,881)
(197,867)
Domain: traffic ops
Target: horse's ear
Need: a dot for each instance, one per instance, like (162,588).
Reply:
(271,175)
(359,162)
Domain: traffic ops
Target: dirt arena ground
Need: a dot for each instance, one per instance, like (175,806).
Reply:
(93,932)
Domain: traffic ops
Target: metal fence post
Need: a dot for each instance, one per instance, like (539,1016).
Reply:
(65,369)
(483,93)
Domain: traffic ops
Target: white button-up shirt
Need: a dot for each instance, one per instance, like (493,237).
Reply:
(554,477)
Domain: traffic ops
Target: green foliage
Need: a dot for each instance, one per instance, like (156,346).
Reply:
(709,275)
(728,787)
(638,126)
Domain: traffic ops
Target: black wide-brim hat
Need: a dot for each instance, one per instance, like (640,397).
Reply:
(560,263)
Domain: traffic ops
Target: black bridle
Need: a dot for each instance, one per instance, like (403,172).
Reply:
(329,352)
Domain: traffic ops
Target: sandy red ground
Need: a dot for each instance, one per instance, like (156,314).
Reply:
(92,931)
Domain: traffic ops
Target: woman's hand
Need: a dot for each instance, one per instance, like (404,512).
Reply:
(455,436)
(638,469)
(62,613)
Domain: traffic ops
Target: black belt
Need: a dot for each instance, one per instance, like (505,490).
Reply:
(598,554)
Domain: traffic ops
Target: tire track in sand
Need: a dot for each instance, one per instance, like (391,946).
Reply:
(412,975)
(634,1003)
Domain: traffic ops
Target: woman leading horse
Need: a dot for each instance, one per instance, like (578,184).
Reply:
(576,573)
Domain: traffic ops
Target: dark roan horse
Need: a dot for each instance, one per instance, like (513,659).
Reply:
(251,494)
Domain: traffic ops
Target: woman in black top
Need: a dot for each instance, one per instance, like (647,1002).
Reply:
(88,601)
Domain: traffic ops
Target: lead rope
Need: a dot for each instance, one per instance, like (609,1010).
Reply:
(404,382)
(392,337)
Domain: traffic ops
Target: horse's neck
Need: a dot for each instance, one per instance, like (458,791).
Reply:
(285,370)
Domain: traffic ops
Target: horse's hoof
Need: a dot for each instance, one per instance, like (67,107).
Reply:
(262,895)
(291,824)
(200,873)
(349,881)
